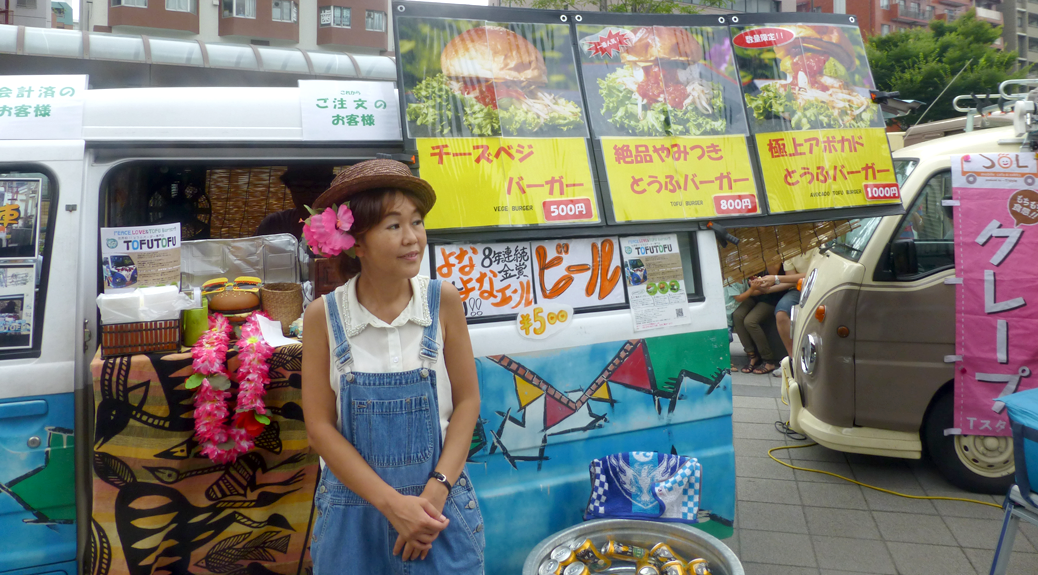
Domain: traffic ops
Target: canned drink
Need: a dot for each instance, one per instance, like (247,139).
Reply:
(698,567)
(674,568)
(664,554)
(590,556)
(648,569)
(564,555)
(550,567)
(624,552)
(576,568)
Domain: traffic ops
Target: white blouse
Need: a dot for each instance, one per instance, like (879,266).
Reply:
(379,347)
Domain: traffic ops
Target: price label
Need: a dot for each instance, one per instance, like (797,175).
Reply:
(875,192)
(735,204)
(567,209)
(541,321)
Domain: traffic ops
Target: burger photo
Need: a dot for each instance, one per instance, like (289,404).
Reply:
(662,88)
(819,67)
(492,80)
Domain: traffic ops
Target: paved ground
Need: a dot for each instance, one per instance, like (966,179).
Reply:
(792,522)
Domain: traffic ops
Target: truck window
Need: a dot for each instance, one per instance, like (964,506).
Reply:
(904,168)
(25,219)
(929,224)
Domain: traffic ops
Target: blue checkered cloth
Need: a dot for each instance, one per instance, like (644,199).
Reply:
(645,485)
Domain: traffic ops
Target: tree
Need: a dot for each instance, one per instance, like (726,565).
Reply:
(919,63)
(635,6)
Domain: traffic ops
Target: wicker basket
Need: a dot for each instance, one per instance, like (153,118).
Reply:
(283,302)
(141,337)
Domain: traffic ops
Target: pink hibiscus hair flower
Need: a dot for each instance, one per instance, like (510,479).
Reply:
(327,232)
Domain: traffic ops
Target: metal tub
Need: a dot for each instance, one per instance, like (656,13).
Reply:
(686,541)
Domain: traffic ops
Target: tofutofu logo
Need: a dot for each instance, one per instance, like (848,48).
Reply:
(112,243)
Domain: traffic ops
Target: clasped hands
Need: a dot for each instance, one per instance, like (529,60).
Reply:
(418,520)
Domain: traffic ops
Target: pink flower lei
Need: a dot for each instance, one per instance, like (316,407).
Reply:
(220,441)
(327,232)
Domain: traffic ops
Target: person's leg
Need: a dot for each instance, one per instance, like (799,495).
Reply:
(760,313)
(739,325)
(783,312)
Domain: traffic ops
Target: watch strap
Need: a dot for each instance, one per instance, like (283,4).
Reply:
(441,478)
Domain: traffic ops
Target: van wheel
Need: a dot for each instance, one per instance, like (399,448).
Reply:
(976,463)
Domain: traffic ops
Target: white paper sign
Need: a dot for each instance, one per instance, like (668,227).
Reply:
(144,256)
(655,281)
(493,279)
(17,296)
(579,272)
(993,170)
(349,111)
(42,107)
(542,321)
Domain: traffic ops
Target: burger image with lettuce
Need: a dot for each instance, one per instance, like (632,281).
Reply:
(819,90)
(660,89)
(491,79)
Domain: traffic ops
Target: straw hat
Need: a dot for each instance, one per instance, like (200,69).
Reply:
(373,175)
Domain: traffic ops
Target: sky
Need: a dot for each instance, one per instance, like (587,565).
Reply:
(75,4)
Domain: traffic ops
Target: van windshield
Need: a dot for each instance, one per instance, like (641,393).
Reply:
(852,244)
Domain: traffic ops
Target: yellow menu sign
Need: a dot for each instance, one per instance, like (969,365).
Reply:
(817,169)
(679,177)
(482,182)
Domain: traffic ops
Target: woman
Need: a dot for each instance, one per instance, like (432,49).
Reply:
(390,394)
(756,307)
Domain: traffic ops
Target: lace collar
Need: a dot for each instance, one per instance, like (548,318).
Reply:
(356,317)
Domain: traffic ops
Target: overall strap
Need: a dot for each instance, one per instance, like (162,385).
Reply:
(430,350)
(343,357)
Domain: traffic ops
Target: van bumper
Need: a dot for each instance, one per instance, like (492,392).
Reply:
(866,440)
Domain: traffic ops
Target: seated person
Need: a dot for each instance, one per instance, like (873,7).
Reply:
(794,269)
(305,183)
(757,305)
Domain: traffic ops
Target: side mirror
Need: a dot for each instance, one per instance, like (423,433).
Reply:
(903,258)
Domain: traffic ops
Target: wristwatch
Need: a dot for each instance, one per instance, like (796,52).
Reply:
(776,279)
(440,478)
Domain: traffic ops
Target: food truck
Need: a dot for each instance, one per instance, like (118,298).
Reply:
(585,165)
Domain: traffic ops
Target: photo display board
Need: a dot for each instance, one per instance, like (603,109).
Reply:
(545,118)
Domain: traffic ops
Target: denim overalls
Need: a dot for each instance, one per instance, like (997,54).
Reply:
(393,421)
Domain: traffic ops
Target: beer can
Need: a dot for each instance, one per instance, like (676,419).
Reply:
(664,554)
(550,567)
(590,556)
(674,568)
(576,568)
(698,567)
(624,552)
(648,569)
(564,555)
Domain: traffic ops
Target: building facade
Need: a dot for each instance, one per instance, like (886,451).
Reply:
(735,6)
(881,17)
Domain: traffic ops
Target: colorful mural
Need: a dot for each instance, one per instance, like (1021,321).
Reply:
(545,416)
(37,483)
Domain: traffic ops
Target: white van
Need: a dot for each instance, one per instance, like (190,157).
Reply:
(85,498)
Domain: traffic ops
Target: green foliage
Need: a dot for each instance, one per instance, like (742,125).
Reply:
(919,63)
(630,6)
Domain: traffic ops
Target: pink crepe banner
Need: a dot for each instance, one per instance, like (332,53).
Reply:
(996,258)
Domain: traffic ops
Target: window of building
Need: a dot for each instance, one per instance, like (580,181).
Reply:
(335,17)
(1019,20)
(914,7)
(182,6)
(374,21)
(884,4)
(239,8)
(30,4)
(1032,20)
(884,29)
(929,13)
(134,3)
(1032,44)
(285,11)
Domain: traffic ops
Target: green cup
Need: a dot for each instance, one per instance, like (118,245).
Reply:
(194,322)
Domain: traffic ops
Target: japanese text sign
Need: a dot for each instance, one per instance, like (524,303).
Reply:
(655,281)
(20,210)
(42,107)
(144,256)
(675,178)
(493,279)
(817,169)
(996,246)
(353,111)
(578,272)
(507,181)
(543,320)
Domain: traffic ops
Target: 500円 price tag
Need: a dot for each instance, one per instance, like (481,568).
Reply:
(543,320)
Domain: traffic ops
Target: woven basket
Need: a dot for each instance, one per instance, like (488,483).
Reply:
(283,302)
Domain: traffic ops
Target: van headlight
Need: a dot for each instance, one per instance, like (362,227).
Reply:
(809,353)
(808,284)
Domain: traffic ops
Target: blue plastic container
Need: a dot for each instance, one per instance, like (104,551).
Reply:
(1023,416)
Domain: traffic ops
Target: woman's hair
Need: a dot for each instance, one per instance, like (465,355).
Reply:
(369,208)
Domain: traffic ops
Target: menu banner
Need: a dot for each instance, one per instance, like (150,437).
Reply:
(492,279)
(679,178)
(507,181)
(816,169)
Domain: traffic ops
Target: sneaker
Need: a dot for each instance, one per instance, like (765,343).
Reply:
(777,373)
